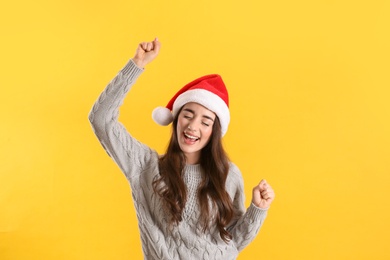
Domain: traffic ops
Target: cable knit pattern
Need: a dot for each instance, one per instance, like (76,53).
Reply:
(139,163)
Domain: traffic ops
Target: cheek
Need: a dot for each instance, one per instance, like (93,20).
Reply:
(178,131)
(179,125)
(207,134)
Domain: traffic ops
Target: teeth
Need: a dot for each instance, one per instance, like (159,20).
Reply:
(191,137)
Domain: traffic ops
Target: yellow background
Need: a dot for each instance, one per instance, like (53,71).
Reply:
(309,87)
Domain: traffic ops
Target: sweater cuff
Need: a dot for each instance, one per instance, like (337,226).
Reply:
(131,70)
(255,213)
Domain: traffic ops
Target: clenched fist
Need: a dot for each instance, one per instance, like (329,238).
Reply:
(263,195)
(146,52)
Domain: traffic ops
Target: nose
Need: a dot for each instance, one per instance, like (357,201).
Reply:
(192,127)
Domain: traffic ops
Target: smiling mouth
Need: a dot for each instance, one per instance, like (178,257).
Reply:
(191,137)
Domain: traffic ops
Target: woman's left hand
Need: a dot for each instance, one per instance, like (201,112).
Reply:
(263,195)
(146,53)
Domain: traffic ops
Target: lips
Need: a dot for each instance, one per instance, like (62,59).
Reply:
(190,138)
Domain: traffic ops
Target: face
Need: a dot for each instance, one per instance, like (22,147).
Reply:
(194,128)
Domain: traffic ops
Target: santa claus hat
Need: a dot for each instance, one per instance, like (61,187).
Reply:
(208,91)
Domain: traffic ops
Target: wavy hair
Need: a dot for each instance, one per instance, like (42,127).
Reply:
(211,191)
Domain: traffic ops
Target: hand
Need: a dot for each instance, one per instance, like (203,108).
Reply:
(146,52)
(263,195)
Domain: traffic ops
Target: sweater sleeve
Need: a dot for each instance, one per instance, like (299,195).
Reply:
(247,223)
(128,153)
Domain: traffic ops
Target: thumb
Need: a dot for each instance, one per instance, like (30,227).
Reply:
(263,185)
(156,45)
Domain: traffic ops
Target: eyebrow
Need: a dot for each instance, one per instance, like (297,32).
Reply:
(192,111)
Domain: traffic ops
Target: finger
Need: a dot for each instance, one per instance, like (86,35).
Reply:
(263,184)
(142,46)
(156,45)
(270,195)
(149,46)
(265,195)
(268,189)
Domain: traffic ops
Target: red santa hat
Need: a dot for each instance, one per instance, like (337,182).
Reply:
(208,91)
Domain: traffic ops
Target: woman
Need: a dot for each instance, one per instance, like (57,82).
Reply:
(189,201)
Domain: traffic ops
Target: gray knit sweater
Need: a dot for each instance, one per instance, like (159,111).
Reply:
(139,163)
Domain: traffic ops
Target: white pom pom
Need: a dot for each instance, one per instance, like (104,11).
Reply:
(162,116)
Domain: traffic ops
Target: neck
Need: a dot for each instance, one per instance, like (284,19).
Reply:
(192,158)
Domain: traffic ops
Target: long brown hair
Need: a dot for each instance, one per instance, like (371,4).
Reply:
(215,165)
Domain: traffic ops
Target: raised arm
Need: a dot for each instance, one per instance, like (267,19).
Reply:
(127,152)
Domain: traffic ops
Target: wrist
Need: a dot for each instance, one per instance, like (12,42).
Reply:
(138,63)
(260,205)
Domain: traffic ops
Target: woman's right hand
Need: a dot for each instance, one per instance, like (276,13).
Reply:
(146,53)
